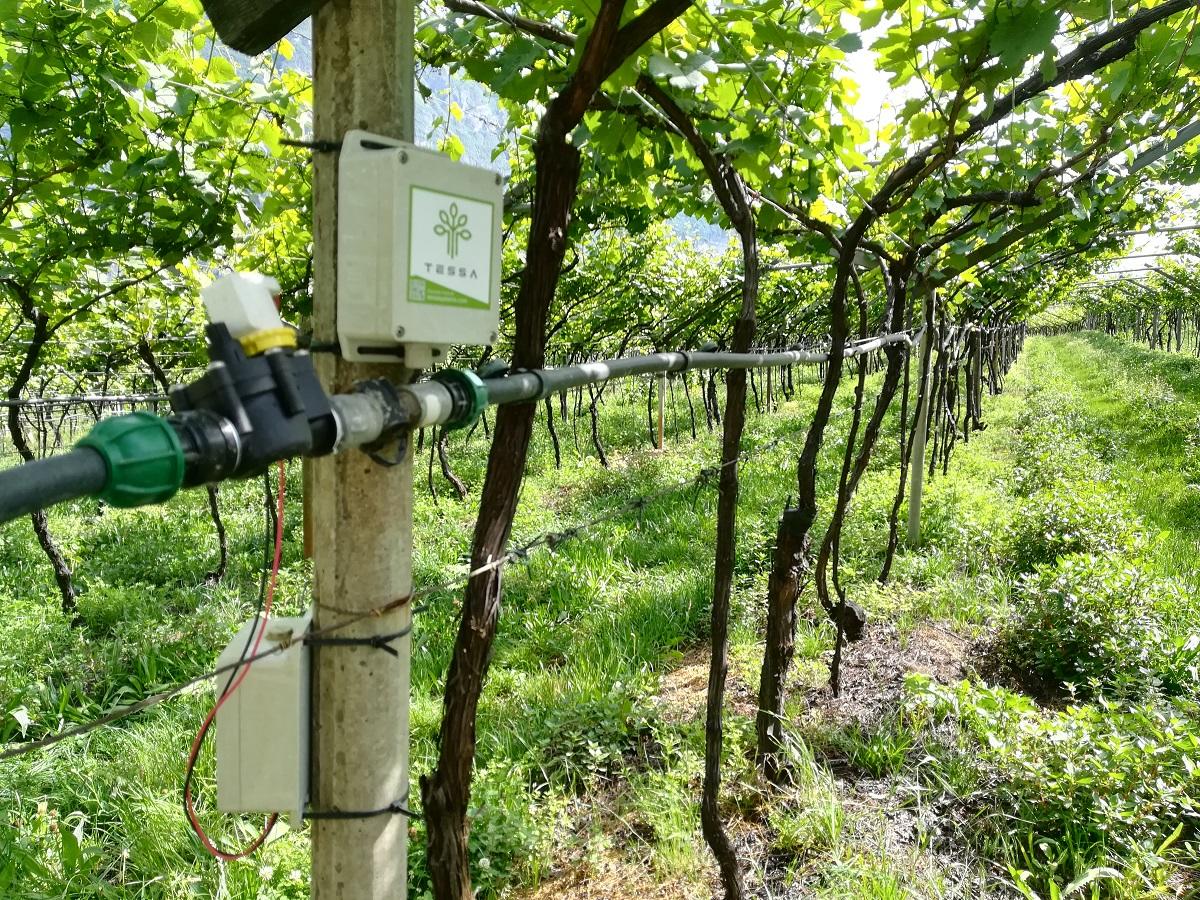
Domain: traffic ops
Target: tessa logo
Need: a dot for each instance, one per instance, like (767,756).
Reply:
(447,269)
(452,225)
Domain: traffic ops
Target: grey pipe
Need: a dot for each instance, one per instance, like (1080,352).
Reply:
(520,387)
(525,386)
(360,418)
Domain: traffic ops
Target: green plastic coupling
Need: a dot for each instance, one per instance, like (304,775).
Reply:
(143,456)
(470,396)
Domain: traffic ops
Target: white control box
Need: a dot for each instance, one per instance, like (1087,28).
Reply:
(263,728)
(418,252)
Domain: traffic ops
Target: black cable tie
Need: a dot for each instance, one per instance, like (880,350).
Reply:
(314,146)
(389,461)
(378,641)
(325,347)
(400,808)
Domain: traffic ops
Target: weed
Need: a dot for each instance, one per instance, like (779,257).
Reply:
(1065,791)
(815,826)
(1069,518)
(1091,625)
(877,751)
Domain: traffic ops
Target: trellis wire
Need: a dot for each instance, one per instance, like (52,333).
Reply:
(550,540)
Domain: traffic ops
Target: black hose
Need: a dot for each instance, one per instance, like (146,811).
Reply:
(45,482)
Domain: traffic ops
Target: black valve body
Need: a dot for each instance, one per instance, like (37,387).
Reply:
(273,404)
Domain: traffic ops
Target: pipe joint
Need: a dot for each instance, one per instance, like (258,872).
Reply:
(543,390)
(468,396)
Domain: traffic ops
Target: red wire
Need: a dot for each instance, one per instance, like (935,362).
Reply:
(211,847)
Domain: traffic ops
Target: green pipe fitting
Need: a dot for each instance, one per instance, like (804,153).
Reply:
(143,456)
(470,396)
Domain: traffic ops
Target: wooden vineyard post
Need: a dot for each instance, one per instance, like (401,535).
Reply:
(917,466)
(361,511)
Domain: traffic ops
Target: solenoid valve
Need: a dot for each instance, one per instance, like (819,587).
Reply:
(259,400)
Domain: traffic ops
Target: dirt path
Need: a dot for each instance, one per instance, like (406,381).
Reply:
(881,816)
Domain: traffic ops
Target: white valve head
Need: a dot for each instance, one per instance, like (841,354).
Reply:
(244,302)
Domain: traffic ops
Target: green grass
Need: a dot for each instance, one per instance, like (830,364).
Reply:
(585,634)
(1143,414)
(579,765)
(1089,452)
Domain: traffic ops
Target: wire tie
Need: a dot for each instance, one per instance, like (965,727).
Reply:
(399,807)
(378,641)
(359,614)
(394,604)
(315,146)
(342,611)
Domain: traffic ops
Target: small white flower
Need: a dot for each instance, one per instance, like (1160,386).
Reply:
(266,873)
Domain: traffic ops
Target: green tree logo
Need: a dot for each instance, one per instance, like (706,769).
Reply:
(453,226)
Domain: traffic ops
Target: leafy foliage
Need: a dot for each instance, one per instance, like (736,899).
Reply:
(1070,790)
(579,742)
(1070,518)
(1093,626)
(134,154)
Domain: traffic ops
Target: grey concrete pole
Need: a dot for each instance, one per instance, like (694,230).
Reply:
(361,512)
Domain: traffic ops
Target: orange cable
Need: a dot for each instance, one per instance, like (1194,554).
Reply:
(261,625)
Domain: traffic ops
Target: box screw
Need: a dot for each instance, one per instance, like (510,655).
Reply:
(400,332)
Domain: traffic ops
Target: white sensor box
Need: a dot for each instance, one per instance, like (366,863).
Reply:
(263,728)
(418,252)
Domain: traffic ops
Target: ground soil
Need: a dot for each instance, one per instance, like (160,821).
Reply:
(874,669)
(883,815)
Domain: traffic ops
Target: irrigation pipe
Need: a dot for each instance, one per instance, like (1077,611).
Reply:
(145,459)
(433,403)
(45,482)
